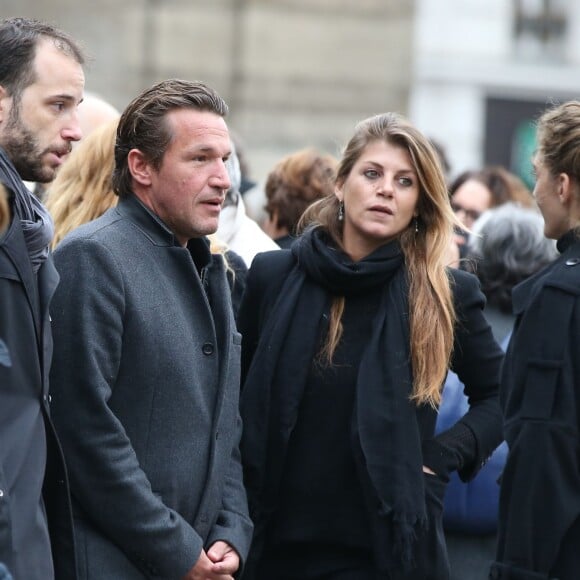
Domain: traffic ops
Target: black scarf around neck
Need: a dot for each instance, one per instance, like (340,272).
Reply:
(37,225)
(385,417)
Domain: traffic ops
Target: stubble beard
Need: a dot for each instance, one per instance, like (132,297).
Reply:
(23,150)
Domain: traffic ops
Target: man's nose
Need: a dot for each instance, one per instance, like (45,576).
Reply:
(222,177)
(72,130)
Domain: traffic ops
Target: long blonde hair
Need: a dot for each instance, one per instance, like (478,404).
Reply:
(82,190)
(432,314)
(4,209)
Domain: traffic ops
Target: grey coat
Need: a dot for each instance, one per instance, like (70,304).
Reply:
(145,384)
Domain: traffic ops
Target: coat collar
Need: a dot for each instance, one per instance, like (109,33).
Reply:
(39,289)
(132,208)
(554,275)
(157,232)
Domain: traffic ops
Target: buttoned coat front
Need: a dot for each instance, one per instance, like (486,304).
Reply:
(539,530)
(145,385)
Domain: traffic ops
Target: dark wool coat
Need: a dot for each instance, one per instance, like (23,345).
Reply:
(539,532)
(145,384)
(27,440)
(477,359)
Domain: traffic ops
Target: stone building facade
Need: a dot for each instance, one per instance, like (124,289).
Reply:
(295,72)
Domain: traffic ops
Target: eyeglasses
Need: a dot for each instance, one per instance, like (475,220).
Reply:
(471,215)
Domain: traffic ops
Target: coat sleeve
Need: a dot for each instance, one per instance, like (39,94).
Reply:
(265,279)
(106,479)
(233,524)
(477,361)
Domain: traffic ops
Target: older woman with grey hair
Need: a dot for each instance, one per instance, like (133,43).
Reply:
(506,246)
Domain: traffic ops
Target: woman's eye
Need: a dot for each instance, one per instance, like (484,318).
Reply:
(371,173)
(406,181)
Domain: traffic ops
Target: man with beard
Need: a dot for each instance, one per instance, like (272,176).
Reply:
(41,86)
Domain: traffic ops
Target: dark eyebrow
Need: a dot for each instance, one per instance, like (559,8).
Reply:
(206,150)
(62,97)
(404,170)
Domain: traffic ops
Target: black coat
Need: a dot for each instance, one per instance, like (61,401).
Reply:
(27,439)
(539,532)
(476,360)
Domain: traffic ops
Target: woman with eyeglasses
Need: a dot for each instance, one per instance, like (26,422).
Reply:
(473,192)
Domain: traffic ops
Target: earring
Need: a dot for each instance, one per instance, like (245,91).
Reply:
(416,225)
(340,211)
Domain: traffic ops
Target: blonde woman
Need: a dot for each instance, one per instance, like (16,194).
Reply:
(348,337)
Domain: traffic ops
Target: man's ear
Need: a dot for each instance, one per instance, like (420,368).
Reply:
(139,167)
(5,103)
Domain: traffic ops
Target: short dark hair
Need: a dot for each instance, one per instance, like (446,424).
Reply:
(19,38)
(142,125)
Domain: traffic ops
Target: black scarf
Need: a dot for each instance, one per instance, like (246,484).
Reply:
(37,225)
(386,418)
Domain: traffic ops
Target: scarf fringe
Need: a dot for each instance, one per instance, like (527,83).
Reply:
(406,529)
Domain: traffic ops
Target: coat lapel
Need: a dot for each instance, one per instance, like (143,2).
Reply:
(14,246)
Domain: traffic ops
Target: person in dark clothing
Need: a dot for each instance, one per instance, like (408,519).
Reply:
(539,516)
(41,86)
(506,246)
(146,369)
(295,182)
(347,339)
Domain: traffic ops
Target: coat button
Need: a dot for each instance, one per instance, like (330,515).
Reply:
(207,348)
(572,261)
(1,493)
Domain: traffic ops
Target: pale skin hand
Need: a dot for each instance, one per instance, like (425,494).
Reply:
(224,557)
(219,563)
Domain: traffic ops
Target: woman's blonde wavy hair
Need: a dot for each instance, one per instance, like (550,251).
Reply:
(432,314)
(83,188)
(4,209)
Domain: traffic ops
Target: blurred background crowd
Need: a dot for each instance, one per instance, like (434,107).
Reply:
(296,73)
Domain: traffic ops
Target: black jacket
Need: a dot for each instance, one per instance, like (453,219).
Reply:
(27,440)
(477,360)
(539,533)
